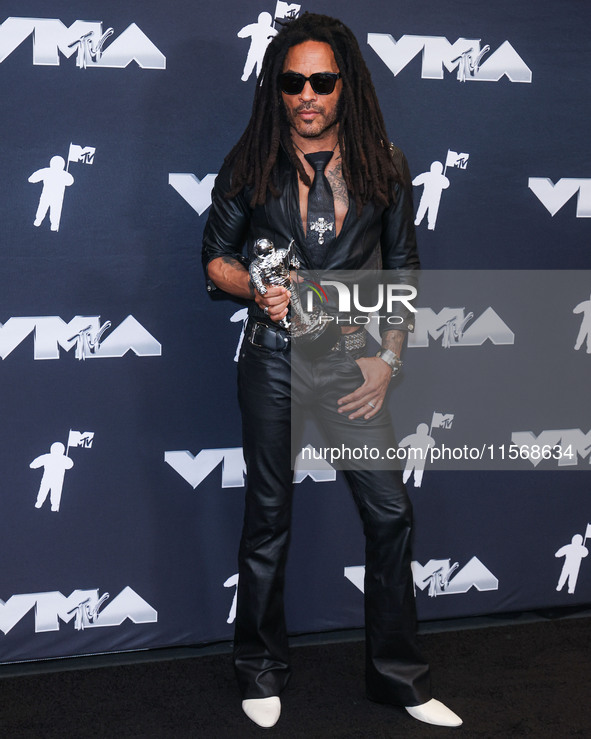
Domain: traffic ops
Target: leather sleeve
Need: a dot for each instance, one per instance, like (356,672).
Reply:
(227,225)
(399,244)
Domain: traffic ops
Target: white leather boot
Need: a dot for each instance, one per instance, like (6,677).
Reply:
(264,712)
(434,712)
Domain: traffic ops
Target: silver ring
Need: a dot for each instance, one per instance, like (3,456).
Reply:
(370,404)
(266,310)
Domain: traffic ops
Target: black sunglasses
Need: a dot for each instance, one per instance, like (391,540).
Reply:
(323,83)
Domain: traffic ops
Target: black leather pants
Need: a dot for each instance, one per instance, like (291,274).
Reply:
(396,672)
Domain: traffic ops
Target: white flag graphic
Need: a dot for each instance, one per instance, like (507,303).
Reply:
(456,160)
(286,10)
(442,420)
(84,154)
(80,438)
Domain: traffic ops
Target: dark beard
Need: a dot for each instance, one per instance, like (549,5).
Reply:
(330,122)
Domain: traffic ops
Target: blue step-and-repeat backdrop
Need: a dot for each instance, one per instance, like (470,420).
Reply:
(121,471)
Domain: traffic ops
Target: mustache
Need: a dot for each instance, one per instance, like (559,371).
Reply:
(309,106)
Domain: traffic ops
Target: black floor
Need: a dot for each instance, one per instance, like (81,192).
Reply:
(529,680)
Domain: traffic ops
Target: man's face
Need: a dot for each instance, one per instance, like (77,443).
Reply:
(308,113)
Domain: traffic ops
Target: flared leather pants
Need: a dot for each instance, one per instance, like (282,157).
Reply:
(396,672)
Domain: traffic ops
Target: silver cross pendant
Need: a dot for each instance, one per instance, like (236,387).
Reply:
(321,226)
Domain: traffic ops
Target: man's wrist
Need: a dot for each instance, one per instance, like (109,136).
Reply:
(391,359)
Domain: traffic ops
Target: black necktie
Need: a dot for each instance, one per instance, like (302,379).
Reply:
(320,229)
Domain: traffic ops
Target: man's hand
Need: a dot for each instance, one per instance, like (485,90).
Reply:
(275,301)
(232,276)
(376,375)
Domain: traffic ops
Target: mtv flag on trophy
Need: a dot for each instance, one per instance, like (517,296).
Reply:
(454,159)
(80,438)
(587,533)
(286,10)
(83,154)
(441,420)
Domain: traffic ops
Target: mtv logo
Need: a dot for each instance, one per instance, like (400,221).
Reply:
(437,576)
(286,10)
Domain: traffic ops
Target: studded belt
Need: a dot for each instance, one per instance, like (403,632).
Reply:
(353,342)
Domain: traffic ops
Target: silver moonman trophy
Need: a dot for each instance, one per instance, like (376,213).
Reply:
(271,266)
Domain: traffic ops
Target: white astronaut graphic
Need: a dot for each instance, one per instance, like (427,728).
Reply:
(434,182)
(232,582)
(421,441)
(260,34)
(55,180)
(54,465)
(585,329)
(573,554)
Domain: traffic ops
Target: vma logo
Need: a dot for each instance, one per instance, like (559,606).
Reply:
(554,196)
(85,333)
(437,574)
(194,469)
(453,327)
(84,606)
(196,192)
(563,445)
(465,56)
(84,39)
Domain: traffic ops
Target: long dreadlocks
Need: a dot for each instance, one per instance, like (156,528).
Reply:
(368,167)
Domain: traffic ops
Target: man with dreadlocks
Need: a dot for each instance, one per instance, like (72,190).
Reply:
(315,94)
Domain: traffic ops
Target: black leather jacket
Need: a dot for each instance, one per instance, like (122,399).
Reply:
(379,239)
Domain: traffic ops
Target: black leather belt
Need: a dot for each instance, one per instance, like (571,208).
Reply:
(275,339)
